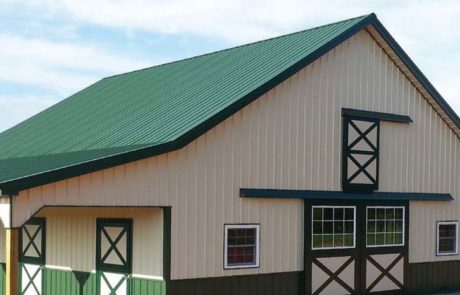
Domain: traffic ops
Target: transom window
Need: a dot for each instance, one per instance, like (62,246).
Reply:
(241,246)
(333,227)
(447,238)
(385,226)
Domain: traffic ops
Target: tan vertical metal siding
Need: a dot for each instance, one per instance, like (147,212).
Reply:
(71,237)
(290,138)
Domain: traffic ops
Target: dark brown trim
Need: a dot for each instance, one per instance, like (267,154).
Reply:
(377,115)
(340,195)
(285,283)
(434,277)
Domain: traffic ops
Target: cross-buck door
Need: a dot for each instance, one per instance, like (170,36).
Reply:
(113,255)
(356,247)
(360,148)
(32,239)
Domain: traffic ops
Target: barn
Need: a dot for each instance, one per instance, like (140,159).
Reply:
(319,162)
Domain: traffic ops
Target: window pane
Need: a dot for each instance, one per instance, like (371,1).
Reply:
(371,239)
(338,227)
(371,226)
(349,214)
(317,241)
(349,227)
(338,240)
(317,214)
(338,213)
(317,227)
(370,213)
(328,213)
(334,228)
(327,227)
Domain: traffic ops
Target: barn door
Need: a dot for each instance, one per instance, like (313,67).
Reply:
(385,256)
(113,255)
(355,248)
(32,256)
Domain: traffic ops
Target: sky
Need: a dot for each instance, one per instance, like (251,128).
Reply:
(50,49)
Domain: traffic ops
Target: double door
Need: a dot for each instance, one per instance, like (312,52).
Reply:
(356,247)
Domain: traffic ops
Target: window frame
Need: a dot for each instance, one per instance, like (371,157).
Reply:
(447,222)
(313,248)
(257,254)
(403,226)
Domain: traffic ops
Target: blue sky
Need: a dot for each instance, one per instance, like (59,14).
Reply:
(51,49)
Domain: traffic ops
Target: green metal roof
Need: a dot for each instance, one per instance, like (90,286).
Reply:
(155,110)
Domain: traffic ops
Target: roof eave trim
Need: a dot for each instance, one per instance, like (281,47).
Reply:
(340,195)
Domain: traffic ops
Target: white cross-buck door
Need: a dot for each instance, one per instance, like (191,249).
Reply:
(113,255)
(32,256)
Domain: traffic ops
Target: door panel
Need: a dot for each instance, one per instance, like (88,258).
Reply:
(333,275)
(31,279)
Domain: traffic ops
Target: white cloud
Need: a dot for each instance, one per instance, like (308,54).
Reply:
(58,66)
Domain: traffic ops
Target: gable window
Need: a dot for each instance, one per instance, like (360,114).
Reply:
(360,152)
(333,227)
(241,246)
(447,236)
(385,226)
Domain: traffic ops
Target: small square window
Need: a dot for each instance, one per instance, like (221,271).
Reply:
(241,246)
(447,238)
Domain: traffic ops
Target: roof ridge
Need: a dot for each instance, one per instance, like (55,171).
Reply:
(239,46)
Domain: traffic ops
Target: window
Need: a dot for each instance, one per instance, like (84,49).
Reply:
(360,152)
(333,227)
(385,226)
(447,238)
(241,246)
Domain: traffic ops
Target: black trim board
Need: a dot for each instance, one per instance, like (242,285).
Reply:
(338,195)
(13,186)
(434,277)
(285,283)
(376,115)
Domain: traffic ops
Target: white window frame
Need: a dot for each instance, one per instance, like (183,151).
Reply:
(403,226)
(456,223)
(257,254)
(354,228)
